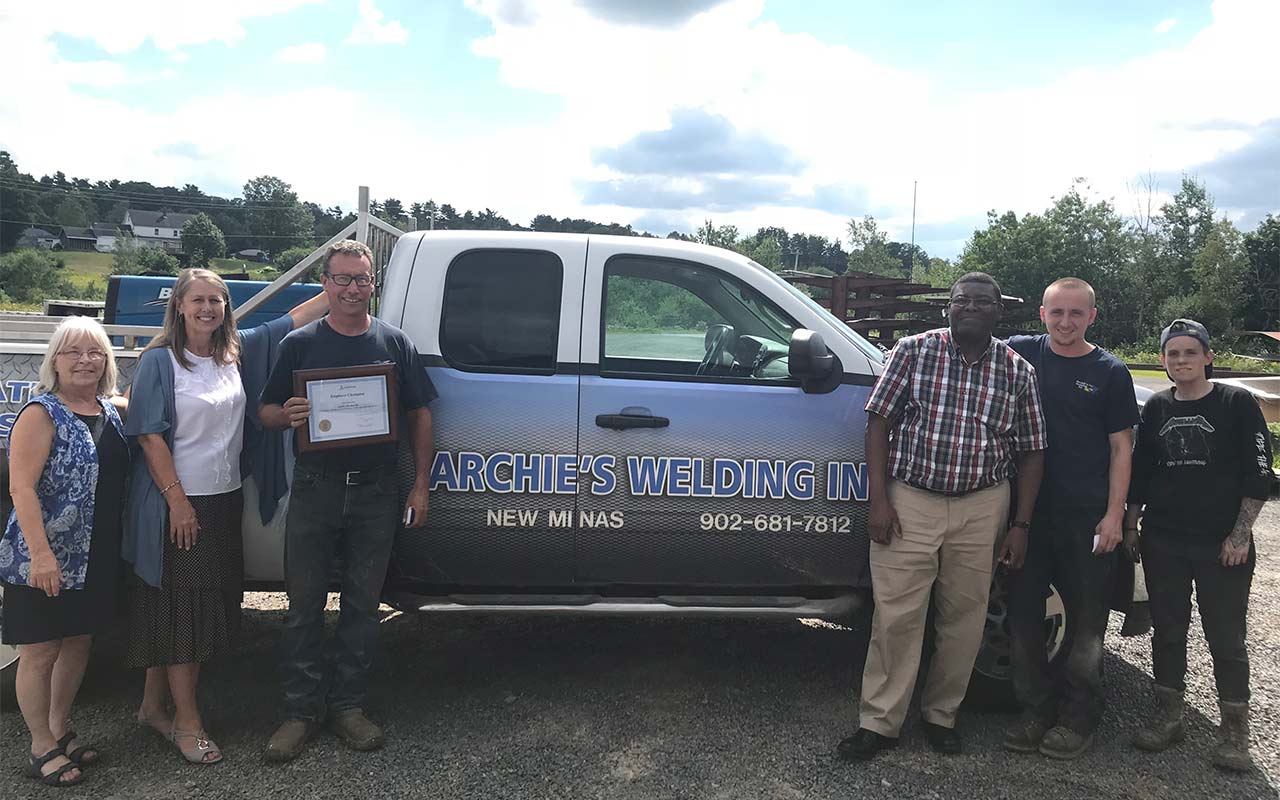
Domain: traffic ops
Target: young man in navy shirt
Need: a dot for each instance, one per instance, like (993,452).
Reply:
(1090,411)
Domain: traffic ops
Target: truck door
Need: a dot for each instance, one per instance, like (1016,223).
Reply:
(502,351)
(710,466)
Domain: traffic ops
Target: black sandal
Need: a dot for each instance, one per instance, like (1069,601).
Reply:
(83,755)
(54,778)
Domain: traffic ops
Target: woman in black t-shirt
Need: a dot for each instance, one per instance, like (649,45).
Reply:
(1202,469)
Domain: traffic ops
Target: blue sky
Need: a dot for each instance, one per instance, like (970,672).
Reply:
(801,113)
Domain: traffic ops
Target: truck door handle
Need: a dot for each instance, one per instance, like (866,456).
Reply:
(621,422)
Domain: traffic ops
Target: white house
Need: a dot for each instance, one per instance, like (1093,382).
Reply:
(108,235)
(160,229)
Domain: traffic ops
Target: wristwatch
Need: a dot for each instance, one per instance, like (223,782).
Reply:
(1020,523)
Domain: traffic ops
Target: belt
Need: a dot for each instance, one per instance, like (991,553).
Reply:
(366,476)
(356,477)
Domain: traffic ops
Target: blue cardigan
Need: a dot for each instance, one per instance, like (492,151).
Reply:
(151,410)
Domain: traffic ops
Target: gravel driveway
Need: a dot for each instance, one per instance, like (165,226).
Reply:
(506,708)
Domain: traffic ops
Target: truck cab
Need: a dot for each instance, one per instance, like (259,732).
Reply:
(626,423)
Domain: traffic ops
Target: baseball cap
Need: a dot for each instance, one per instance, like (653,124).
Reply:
(1185,327)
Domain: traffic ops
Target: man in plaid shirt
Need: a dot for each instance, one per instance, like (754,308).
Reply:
(955,415)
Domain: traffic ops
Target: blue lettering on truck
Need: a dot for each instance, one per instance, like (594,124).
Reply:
(656,476)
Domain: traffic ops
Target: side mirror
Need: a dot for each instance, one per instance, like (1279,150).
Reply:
(810,362)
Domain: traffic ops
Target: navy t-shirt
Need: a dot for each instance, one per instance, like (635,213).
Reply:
(318,346)
(1086,399)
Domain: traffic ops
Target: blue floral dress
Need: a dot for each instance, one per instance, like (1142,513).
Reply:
(82,496)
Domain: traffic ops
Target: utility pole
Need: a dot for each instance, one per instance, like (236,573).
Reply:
(911,254)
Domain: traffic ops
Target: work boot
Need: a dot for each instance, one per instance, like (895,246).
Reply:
(1024,735)
(287,742)
(356,730)
(1065,744)
(1165,729)
(1232,751)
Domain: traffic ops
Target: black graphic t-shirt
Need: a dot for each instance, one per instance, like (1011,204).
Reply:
(1086,399)
(1196,460)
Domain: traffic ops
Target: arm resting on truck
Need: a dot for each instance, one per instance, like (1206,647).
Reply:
(29,444)
(310,310)
(183,525)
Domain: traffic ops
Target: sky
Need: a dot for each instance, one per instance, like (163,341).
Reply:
(662,113)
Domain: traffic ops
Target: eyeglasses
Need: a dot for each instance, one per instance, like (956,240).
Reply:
(76,355)
(361,280)
(981,303)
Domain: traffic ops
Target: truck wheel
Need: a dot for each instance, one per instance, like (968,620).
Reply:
(8,668)
(991,685)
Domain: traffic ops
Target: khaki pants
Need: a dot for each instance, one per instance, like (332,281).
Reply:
(950,542)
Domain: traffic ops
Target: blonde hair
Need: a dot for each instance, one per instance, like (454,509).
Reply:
(226,344)
(70,329)
(1072,283)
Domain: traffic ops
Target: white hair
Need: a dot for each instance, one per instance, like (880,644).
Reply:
(71,329)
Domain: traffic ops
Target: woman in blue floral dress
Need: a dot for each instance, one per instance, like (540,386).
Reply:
(60,550)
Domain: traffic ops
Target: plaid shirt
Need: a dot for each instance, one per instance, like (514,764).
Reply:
(955,427)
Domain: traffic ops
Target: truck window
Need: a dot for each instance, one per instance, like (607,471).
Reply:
(668,318)
(501,311)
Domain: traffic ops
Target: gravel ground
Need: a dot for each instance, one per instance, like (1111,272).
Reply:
(498,707)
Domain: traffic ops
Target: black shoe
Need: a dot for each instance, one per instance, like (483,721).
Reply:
(942,740)
(864,744)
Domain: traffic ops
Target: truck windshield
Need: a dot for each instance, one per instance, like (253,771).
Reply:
(872,352)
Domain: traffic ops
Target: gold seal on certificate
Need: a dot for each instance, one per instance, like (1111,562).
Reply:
(349,406)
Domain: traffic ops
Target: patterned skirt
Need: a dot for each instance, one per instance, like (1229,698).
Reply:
(195,615)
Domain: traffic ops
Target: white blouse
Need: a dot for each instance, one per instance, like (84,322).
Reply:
(208,433)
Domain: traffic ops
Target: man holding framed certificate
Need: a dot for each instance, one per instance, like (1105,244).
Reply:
(342,383)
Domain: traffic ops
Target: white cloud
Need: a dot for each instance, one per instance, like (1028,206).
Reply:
(309,53)
(854,123)
(1165,25)
(370,29)
(179,56)
(168,25)
(832,106)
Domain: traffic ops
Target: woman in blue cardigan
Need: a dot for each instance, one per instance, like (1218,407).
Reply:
(198,435)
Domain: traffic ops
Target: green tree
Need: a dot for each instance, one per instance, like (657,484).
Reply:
(289,258)
(1184,226)
(131,258)
(725,236)
(1261,310)
(1219,269)
(72,212)
(868,249)
(202,240)
(1072,238)
(276,219)
(29,276)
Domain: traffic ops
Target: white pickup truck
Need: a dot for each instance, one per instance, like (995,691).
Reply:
(625,425)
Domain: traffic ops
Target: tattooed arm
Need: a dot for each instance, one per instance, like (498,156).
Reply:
(1235,548)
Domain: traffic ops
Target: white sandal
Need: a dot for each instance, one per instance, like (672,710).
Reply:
(204,746)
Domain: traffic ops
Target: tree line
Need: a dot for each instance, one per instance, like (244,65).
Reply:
(1179,258)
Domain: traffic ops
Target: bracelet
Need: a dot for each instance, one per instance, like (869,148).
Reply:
(166,489)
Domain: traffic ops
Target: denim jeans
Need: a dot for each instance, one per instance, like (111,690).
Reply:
(1060,551)
(356,523)
(1222,595)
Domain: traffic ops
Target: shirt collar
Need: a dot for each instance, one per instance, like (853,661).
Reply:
(955,353)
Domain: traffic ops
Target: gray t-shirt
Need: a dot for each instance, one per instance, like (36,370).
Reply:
(318,346)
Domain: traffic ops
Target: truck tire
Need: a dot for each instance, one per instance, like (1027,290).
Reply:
(991,685)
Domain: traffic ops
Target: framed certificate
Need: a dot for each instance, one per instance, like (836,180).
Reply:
(349,406)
